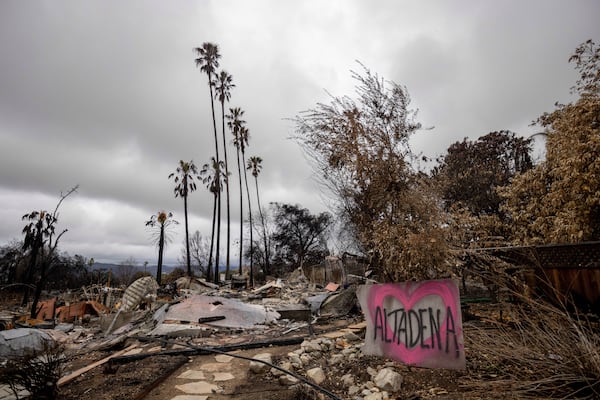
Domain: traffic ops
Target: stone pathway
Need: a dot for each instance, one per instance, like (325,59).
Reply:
(197,384)
(7,394)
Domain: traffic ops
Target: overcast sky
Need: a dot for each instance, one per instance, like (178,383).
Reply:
(105,94)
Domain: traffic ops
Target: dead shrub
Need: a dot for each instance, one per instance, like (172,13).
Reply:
(36,371)
(544,351)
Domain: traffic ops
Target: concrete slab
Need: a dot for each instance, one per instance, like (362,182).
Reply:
(7,394)
(222,358)
(199,387)
(222,376)
(192,374)
(189,397)
(215,367)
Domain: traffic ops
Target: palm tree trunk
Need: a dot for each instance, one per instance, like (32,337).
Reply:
(161,246)
(250,219)
(227,192)
(262,220)
(218,232)
(218,215)
(187,233)
(241,215)
(212,241)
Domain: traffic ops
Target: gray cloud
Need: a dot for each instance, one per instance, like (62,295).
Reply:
(107,96)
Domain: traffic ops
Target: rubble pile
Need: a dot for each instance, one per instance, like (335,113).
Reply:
(335,358)
(138,318)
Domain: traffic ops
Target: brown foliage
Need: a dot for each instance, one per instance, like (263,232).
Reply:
(543,352)
(559,200)
(361,153)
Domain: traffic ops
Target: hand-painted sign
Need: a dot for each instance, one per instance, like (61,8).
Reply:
(416,323)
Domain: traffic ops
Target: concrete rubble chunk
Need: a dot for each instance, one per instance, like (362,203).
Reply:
(259,367)
(374,396)
(351,336)
(389,380)
(285,365)
(277,284)
(316,374)
(195,284)
(352,390)
(336,359)
(340,303)
(348,380)
(310,346)
(305,359)
(287,380)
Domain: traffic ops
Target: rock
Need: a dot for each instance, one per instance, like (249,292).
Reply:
(336,359)
(295,359)
(352,390)
(258,367)
(351,337)
(306,359)
(327,345)
(348,380)
(374,396)
(285,365)
(348,351)
(310,346)
(287,380)
(316,374)
(389,380)
(339,304)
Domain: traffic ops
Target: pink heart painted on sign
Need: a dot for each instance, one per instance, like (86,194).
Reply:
(409,295)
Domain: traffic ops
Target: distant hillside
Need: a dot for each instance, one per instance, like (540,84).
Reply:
(167,269)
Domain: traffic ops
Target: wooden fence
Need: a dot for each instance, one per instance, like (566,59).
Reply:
(560,271)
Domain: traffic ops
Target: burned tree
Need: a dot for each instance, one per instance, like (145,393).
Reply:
(360,150)
(40,245)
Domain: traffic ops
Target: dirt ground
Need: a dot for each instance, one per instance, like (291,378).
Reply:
(154,378)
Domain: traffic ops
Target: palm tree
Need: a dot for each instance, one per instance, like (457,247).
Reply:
(213,177)
(208,62)
(244,138)
(255,165)
(223,88)
(235,123)
(184,181)
(161,220)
